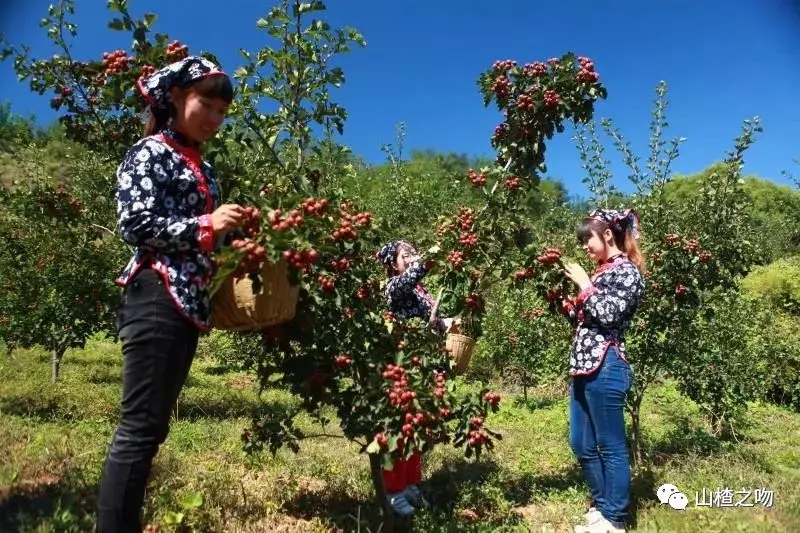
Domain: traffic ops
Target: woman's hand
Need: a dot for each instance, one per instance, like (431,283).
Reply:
(228,217)
(451,324)
(578,275)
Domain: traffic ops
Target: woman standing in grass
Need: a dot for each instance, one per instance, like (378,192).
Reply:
(168,208)
(407,298)
(601,374)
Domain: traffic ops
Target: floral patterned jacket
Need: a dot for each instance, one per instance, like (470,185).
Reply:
(602,313)
(407,298)
(165,197)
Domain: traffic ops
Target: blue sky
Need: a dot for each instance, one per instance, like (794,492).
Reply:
(723,61)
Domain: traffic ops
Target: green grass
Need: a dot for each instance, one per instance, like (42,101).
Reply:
(54,438)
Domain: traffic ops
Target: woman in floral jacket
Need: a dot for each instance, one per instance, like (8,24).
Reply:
(601,374)
(168,205)
(407,298)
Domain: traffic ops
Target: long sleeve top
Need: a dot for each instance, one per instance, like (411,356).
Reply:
(165,196)
(602,313)
(407,298)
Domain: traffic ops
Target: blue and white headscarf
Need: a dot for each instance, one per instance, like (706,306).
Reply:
(183,73)
(622,220)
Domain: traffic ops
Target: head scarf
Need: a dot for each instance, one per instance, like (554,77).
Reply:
(621,220)
(388,253)
(183,73)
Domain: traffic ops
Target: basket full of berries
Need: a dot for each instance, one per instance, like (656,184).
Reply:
(250,292)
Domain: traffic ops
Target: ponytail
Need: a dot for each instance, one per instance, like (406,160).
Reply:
(631,247)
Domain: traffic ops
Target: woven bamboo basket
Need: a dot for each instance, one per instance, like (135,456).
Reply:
(461,348)
(235,307)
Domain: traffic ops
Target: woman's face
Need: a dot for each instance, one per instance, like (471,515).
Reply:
(596,247)
(405,256)
(197,116)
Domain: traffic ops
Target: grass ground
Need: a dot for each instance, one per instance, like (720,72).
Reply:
(53,440)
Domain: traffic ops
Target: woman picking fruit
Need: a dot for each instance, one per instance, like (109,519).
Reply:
(601,374)
(407,298)
(168,209)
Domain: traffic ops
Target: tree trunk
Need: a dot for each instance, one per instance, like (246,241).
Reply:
(58,354)
(387,512)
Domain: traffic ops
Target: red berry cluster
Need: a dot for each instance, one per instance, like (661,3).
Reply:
(326,283)
(468,239)
(551,256)
(177,51)
(294,219)
(474,302)
(254,256)
(252,225)
(116,62)
(146,72)
(382,440)
(502,87)
(524,274)
(399,395)
(705,256)
(587,73)
(492,398)
(533,313)
(477,435)
(342,361)
(511,183)
(311,206)
(500,131)
(340,265)
(439,389)
(680,289)
(365,290)
(503,65)
(551,98)
(691,245)
(456,258)
(345,231)
(466,217)
(301,260)
(525,102)
(534,69)
(673,239)
(476,178)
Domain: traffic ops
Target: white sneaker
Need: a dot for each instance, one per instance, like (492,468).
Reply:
(599,525)
(592,515)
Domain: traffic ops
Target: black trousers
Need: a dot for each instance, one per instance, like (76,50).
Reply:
(158,346)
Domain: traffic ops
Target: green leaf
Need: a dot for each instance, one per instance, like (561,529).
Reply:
(150,19)
(192,501)
(262,23)
(116,24)
(374,447)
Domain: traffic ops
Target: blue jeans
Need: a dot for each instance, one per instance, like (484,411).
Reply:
(597,434)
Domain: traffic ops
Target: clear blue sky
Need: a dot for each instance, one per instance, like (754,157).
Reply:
(723,61)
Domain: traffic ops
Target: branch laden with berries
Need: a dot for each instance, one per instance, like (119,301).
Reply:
(101,104)
(481,247)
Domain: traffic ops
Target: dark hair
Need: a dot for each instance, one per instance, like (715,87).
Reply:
(211,87)
(623,238)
